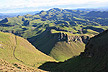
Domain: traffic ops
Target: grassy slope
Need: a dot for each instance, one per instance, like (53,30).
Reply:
(59,50)
(16,49)
(44,42)
(94,59)
(63,51)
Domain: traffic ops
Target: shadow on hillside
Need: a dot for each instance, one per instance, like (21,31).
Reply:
(49,66)
(44,41)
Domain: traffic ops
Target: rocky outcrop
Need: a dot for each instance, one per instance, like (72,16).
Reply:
(68,38)
(63,37)
(74,39)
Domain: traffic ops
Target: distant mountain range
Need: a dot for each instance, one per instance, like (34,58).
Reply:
(5,15)
(91,9)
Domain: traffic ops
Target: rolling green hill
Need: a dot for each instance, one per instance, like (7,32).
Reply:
(93,59)
(17,50)
(28,26)
(73,23)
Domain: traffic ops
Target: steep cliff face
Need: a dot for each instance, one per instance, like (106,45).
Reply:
(60,46)
(69,38)
(63,37)
(73,38)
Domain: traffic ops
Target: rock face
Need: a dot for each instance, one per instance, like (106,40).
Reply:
(74,39)
(67,38)
(63,37)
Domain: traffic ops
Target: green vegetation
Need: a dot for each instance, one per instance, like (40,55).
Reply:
(15,49)
(63,51)
(70,22)
(93,59)
(59,33)
(28,26)
(53,44)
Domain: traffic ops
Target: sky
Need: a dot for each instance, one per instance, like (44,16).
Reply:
(14,6)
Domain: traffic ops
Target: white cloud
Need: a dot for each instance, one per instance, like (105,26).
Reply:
(37,3)
(13,4)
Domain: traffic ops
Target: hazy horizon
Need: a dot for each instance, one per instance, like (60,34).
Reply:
(10,6)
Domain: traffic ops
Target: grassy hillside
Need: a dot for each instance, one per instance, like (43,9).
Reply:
(63,51)
(59,48)
(60,33)
(93,59)
(71,22)
(15,49)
